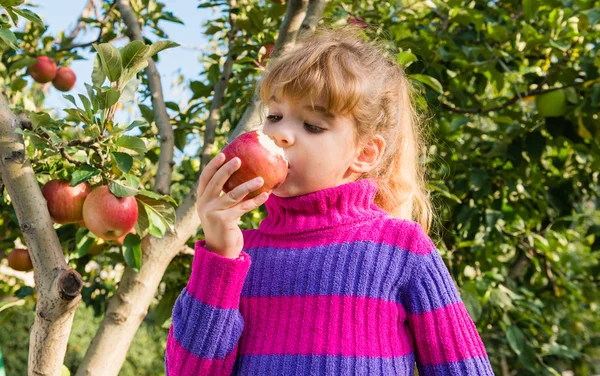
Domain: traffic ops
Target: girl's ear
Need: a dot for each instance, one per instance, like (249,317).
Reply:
(368,156)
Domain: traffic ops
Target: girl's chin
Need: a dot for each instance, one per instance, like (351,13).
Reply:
(284,190)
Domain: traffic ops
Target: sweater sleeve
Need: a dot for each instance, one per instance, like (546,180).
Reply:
(206,322)
(446,339)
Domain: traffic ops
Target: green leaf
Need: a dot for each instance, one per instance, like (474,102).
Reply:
(472,304)
(124,161)
(133,180)
(157,196)
(108,98)
(147,113)
(159,210)
(180,138)
(9,38)
(429,81)
(21,63)
(142,224)
(530,8)
(138,57)
(70,98)
(83,245)
(122,189)
(87,105)
(137,124)
(164,309)
(129,90)
(98,75)
(111,60)
(515,338)
(82,174)
(132,53)
(132,251)
(26,13)
(406,58)
(132,143)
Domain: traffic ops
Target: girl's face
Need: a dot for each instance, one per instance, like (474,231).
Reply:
(319,146)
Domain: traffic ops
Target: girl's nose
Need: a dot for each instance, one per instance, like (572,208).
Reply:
(282,135)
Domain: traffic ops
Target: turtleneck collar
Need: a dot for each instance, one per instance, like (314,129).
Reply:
(331,207)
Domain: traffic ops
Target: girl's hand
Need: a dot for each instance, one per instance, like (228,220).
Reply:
(219,214)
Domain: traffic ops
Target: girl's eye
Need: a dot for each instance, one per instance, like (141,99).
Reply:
(309,127)
(312,128)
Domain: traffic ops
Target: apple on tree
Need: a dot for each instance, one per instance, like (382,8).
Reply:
(107,216)
(20,260)
(551,104)
(65,203)
(65,79)
(44,70)
(260,156)
(358,21)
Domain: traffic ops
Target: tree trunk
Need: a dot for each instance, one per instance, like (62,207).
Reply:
(58,286)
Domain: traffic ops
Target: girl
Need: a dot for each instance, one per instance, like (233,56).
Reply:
(341,278)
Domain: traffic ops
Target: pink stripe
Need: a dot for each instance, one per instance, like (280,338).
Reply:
(446,334)
(217,280)
(407,235)
(324,325)
(182,363)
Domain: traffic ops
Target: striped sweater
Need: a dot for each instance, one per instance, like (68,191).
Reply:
(329,284)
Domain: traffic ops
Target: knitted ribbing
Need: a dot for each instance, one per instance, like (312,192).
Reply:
(328,285)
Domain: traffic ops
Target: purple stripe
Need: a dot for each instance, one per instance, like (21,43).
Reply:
(322,365)
(474,366)
(369,269)
(205,331)
(434,287)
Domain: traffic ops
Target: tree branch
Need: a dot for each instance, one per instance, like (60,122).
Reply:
(100,33)
(58,286)
(162,182)
(288,33)
(313,15)
(219,91)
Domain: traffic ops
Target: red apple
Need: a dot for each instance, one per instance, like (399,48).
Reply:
(357,21)
(20,260)
(107,216)
(44,70)
(269,51)
(65,79)
(260,156)
(65,203)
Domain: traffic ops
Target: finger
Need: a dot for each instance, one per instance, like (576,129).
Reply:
(216,183)
(209,171)
(248,205)
(238,193)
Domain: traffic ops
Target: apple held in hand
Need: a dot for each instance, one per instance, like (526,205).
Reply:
(19,260)
(44,70)
(65,79)
(65,203)
(107,216)
(260,156)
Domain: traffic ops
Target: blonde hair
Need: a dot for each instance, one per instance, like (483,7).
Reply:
(359,77)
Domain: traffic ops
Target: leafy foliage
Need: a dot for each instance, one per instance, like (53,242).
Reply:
(516,194)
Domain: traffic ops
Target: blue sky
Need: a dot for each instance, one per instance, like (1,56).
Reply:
(173,62)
